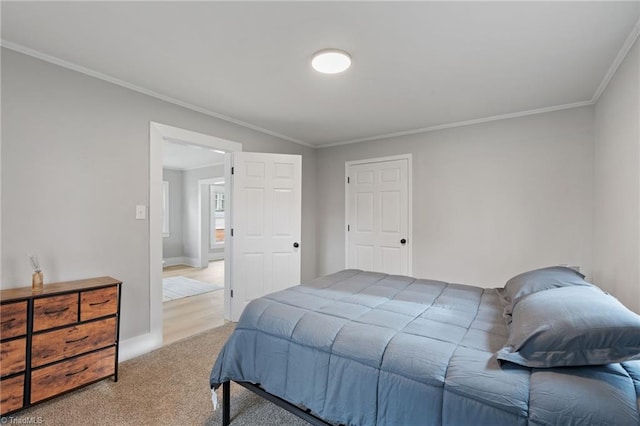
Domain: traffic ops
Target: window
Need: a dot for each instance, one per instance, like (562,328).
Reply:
(165,208)
(216,208)
(219,202)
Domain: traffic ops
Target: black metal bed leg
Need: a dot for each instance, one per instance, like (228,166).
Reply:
(226,403)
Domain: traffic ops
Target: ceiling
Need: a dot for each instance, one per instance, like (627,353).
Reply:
(178,155)
(416,65)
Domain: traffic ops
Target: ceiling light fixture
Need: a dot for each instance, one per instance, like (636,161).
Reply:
(331,61)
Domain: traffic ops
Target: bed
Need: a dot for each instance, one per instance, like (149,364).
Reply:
(364,348)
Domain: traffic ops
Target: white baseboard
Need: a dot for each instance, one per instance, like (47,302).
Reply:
(190,261)
(216,255)
(172,261)
(193,261)
(138,345)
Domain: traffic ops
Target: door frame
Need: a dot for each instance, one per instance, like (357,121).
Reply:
(205,212)
(158,132)
(409,159)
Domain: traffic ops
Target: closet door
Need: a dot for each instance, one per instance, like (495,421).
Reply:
(378,216)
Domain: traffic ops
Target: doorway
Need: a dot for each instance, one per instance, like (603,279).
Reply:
(193,296)
(193,261)
(189,262)
(378,215)
(213,206)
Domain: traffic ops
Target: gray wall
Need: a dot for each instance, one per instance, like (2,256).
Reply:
(75,163)
(489,200)
(184,208)
(617,184)
(173,245)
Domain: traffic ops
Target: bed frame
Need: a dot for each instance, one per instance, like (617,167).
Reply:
(294,409)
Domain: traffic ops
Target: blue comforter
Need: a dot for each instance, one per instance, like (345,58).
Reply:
(362,348)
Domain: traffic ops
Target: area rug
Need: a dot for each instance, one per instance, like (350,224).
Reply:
(179,287)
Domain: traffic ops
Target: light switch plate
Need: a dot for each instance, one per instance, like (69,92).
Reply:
(141,212)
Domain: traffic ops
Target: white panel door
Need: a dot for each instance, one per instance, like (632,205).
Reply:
(378,217)
(266,225)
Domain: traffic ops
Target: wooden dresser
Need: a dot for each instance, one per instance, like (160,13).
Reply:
(57,339)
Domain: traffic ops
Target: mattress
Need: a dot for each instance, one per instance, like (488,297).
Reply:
(363,348)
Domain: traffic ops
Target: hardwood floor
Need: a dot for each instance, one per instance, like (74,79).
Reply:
(214,274)
(191,315)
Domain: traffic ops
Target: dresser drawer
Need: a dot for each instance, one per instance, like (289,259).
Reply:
(98,303)
(55,379)
(70,341)
(12,395)
(55,311)
(13,356)
(13,319)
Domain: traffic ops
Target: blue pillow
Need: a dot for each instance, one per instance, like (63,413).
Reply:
(571,326)
(539,280)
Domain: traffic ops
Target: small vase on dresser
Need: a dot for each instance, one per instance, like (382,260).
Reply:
(37,281)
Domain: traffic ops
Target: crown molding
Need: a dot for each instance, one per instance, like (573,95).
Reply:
(84,70)
(622,54)
(186,169)
(624,51)
(463,123)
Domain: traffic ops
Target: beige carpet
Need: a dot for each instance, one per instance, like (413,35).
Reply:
(169,386)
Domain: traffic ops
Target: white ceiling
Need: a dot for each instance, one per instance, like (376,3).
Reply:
(178,155)
(416,65)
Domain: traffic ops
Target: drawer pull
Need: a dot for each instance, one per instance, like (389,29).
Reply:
(99,303)
(7,321)
(76,340)
(56,311)
(86,367)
